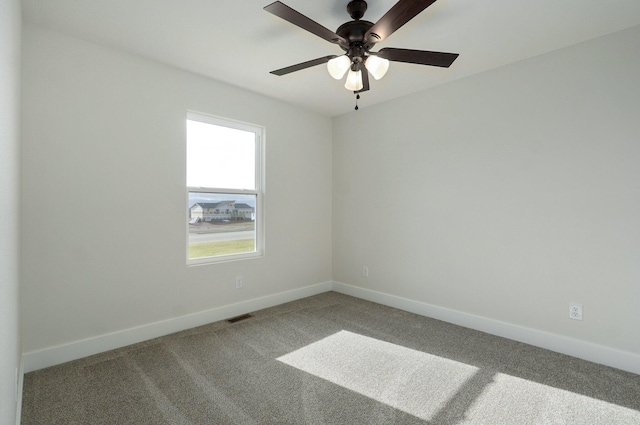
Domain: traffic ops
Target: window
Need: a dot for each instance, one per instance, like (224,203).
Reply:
(224,189)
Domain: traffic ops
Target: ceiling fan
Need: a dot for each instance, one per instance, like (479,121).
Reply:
(357,38)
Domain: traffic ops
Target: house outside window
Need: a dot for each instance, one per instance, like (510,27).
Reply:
(224,189)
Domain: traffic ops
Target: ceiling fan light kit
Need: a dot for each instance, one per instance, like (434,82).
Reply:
(339,65)
(357,37)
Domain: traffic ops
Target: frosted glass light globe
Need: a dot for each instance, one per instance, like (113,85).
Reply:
(354,80)
(338,66)
(377,66)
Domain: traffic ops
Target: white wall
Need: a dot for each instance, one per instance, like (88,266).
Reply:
(10,33)
(103,145)
(506,195)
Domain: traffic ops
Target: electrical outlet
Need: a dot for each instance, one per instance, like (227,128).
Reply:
(575,311)
(239,282)
(365,271)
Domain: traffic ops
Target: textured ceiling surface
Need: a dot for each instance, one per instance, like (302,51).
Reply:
(237,42)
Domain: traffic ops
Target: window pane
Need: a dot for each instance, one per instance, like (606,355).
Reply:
(221,224)
(220,157)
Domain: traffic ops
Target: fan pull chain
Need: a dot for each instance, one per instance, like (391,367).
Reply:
(357,97)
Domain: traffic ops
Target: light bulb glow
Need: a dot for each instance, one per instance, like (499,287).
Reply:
(377,66)
(354,80)
(338,66)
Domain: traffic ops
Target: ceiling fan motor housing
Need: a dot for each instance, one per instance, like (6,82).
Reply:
(353,32)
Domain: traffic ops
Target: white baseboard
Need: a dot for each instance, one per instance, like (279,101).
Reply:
(51,356)
(558,343)
(577,348)
(19,386)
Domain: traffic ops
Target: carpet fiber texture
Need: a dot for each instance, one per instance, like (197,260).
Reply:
(331,359)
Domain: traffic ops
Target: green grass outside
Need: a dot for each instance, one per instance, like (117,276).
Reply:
(212,249)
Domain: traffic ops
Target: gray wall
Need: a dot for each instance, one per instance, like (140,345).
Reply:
(103,145)
(506,195)
(10,34)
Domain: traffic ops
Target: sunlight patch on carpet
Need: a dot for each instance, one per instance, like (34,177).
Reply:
(509,399)
(417,383)
(437,389)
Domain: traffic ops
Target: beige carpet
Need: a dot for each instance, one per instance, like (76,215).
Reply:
(331,359)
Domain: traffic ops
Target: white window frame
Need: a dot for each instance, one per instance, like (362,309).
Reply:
(259,132)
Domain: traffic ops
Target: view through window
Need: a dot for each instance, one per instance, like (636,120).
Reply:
(224,189)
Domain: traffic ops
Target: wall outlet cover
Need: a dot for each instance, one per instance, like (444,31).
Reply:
(575,311)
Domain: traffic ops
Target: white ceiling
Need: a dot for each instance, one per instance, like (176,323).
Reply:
(237,42)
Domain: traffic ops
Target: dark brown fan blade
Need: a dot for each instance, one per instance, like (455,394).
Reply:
(401,13)
(365,80)
(421,57)
(296,18)
(303,65)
